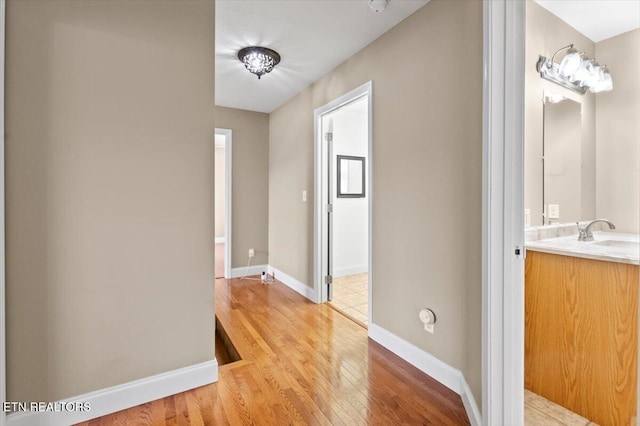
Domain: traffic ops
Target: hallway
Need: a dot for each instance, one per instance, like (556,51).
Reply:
(302,363)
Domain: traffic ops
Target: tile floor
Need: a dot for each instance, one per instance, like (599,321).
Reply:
(351,296)
(539,411)
(219,260)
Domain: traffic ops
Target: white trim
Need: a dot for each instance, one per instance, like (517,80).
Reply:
(422,360)
(469,403)
(430,365)
(221,240)
(3,322)
(370,280)
(502,213)
(293,284)
(244,271)
(228,198)
(121,397)
(350,270)
(320,222)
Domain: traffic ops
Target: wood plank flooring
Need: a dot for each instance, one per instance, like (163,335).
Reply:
(302,363)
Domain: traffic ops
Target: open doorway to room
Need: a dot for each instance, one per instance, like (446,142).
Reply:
(222,196)
(345,205)
(581,213)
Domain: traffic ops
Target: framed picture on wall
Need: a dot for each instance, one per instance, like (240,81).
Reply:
(351,176)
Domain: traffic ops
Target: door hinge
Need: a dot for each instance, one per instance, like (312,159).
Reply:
(328,279)
(329,208)
(328,137)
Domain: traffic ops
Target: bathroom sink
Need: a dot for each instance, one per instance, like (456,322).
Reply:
(621,244)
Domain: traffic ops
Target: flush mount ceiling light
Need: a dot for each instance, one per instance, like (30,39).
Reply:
(377,6)
(576,72)
(259,60)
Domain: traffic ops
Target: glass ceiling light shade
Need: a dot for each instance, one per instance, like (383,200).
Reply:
(571,62)
(604,85)
(582,73)
(595,73)
(259,60)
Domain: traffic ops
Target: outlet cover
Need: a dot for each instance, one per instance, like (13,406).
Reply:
(429,327)
(554,211)
(252,252)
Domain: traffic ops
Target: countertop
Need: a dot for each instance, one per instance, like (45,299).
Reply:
(608,246)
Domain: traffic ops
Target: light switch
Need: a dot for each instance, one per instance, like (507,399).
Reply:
(554,211)
(304,195)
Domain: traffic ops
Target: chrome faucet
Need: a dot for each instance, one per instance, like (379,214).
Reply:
(585,234)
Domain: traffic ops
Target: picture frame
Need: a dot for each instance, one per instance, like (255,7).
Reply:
(351,176)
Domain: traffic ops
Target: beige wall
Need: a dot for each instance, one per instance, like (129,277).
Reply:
(618,133)
(109,186)
(427,160)
(250,182)
(220,193)
(546,33)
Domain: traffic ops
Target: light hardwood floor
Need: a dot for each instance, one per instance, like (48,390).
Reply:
(302,363)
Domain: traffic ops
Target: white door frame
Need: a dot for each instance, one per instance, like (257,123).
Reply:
(227,133)
(503,213)
(320,199)
(3,322)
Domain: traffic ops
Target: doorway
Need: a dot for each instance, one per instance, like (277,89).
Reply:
(343,204)
(222,196)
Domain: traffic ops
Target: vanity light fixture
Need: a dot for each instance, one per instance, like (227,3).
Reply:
(259,60)
(576,72)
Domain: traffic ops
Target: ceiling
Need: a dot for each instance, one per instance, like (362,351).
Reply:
(312,37)
(597,19)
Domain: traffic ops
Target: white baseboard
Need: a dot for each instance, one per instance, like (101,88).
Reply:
(430,365)
(221,240)
(244,271)
(350,270)
(121,397)
(294,284)
(469,403)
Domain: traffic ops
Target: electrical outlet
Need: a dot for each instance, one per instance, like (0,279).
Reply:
(252,252)
(304,196)
(428,318)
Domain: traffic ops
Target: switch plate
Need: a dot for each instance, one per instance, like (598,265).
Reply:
(252,252)
(527,217)
(554,211)
(304,196)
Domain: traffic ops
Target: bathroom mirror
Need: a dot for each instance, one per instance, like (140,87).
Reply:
(561,160)
(351,177)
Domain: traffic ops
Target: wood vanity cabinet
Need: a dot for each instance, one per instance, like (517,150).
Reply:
(581,335)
